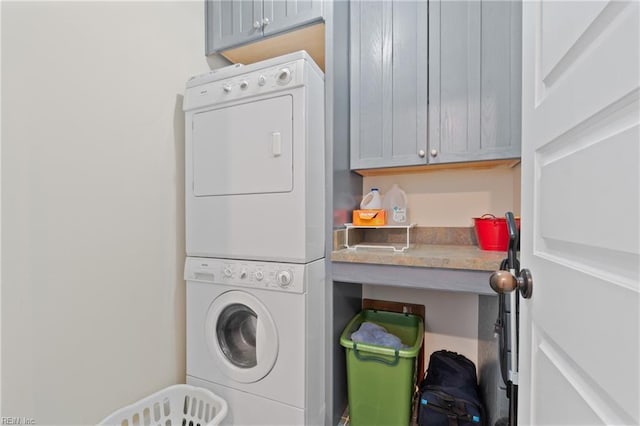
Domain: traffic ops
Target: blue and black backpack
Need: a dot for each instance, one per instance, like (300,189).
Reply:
(449,393)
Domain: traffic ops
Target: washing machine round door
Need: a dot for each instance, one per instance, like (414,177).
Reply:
(241,333)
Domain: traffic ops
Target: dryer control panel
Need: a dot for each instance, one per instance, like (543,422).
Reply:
(289,277)
(253,83)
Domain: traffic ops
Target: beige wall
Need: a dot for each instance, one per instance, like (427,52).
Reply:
(449,198)
(517,181)
(451,319)
(92,203)
(453,198)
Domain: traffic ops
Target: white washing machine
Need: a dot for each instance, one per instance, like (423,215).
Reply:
(255,161)
(255,336)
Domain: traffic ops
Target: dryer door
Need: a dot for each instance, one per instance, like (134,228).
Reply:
(244,148)
(241,333)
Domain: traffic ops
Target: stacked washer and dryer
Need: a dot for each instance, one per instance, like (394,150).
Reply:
(255,208)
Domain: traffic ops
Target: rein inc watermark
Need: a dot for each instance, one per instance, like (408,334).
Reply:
(17,421)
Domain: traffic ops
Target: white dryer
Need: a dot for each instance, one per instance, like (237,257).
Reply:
(255,161)
(255,336)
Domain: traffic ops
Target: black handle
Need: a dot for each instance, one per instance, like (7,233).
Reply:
(513,239)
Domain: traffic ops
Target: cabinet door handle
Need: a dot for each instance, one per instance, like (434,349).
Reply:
(257,25)
(266,22)
(421,153)
(434,153)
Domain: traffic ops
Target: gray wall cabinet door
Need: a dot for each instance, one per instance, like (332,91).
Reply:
(474,80)
(282,15)
(232,22)
(389,83)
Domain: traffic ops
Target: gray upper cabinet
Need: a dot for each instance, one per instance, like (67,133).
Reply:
(388,87)
(434,82)
(230,23)
(474,80)
(283,15)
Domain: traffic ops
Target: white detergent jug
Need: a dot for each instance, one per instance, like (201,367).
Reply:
(395,205)
(372,200)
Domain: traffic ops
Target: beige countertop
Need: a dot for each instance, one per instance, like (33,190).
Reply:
(438,258)
(468,257)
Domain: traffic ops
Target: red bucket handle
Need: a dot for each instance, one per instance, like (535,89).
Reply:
(487,214)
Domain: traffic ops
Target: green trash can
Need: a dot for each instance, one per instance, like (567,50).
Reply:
(380,380)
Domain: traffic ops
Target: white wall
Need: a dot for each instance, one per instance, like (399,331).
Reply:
(92,203)
(448,198)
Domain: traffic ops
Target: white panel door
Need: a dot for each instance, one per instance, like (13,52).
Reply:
(579,336)
(244,149)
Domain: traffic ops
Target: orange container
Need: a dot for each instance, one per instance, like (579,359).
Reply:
(492,232)
(369,217)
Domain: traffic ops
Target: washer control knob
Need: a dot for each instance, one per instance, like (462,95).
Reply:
(284,76)
(227,272)
(283,278)
(243,274)
(226,88)
(262,80)
(259,275)
(244,85)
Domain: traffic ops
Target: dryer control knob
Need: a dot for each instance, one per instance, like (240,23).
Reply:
(227,272)
(243,274)
(284,76)
(259,275)
(283,278)
(226,88)
(262,80)
(244,85)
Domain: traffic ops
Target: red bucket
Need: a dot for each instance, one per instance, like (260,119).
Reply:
(492,232)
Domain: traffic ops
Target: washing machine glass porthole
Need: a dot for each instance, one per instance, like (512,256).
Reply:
(236,333)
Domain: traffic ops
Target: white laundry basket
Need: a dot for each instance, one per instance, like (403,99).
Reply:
(178,405)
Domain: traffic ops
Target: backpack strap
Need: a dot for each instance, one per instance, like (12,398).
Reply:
(453,420)
(455,407)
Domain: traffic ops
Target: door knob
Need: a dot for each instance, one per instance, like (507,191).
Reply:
(505,282)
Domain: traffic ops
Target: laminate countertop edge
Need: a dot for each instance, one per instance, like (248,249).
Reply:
(448,268)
